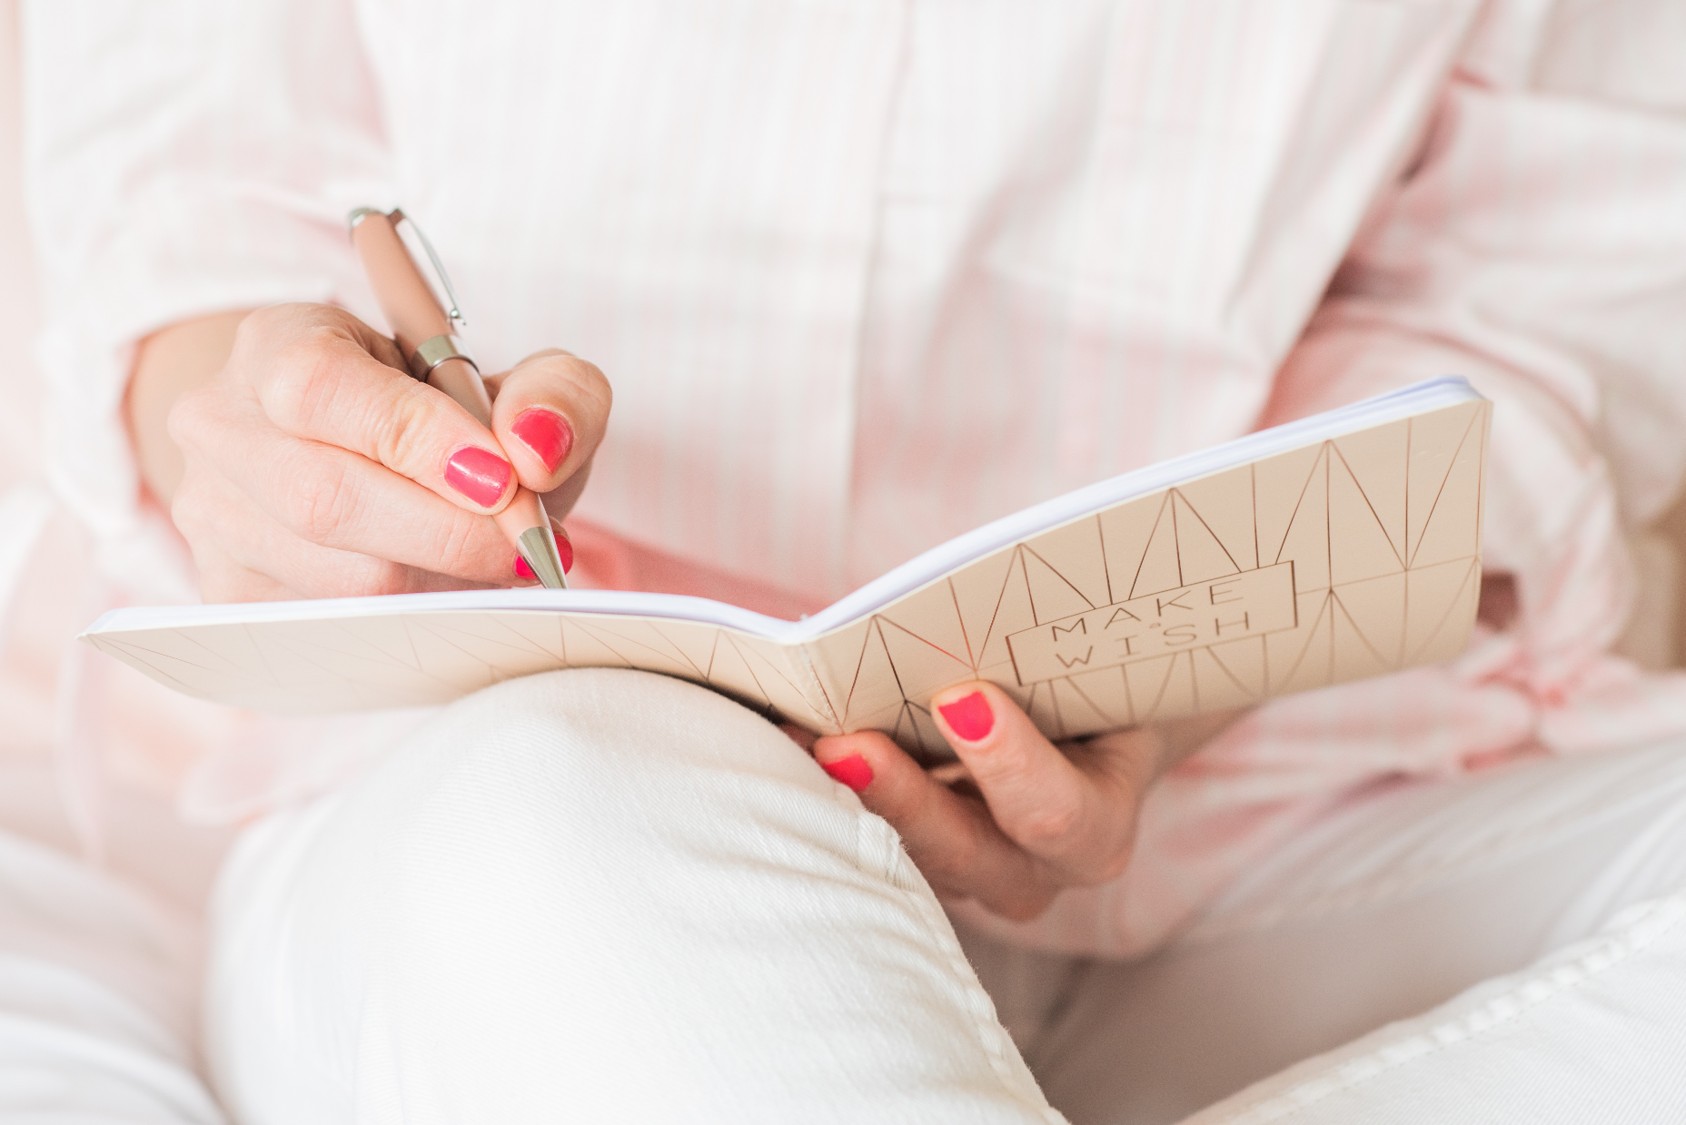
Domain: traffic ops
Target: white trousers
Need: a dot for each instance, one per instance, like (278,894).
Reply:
(607,896)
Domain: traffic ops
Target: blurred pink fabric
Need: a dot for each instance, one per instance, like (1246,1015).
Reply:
(146,738)
(865,277)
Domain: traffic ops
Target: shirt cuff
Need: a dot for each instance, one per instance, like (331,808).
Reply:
(189,260)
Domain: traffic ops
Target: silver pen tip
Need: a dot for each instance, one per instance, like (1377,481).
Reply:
(538,547)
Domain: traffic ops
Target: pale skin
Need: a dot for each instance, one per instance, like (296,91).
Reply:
(298,459)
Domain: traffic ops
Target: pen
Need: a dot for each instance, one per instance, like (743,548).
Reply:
(424,329)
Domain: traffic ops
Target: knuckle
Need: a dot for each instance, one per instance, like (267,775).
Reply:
(403,435)
(301,383)
(185,421)
(257,326)
(891,796)
(262,330)
(384,577)
(292,315)
(1007,764)
(319,504)
(462,550)
(956,860)
(1050,825)
(365,575)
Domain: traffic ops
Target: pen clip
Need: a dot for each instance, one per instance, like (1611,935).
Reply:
(440,279)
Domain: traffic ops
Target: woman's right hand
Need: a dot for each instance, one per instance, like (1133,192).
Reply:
(313,465)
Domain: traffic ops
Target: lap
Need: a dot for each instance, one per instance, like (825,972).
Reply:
(704,901)
(1396,903)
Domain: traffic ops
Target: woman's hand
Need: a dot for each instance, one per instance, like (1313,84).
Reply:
(313,465)
(1026,819)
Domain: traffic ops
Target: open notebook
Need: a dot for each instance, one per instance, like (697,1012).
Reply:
(1337,547)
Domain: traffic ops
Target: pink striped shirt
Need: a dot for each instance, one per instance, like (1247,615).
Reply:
(867,274)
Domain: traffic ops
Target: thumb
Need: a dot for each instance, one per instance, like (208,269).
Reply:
(549,416)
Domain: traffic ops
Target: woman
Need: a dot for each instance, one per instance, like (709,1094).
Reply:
(861,277)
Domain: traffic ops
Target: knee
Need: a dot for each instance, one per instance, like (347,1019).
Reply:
(593,812)
(603,731)
(591,777)
(545,854)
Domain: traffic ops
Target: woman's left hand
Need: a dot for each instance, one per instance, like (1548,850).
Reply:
(1026,819)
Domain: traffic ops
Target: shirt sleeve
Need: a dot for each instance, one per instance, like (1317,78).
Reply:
(183,157)
(1537,246)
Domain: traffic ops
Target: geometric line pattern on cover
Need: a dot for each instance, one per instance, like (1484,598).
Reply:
(1382,531)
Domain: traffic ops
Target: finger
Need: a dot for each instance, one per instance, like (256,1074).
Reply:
(549,416)
(326,495)
(801,736)
(264,547)
(951,839)
(1081,824)
(324,385)
(263,332)
(381,346)
(235,585)
(222,580)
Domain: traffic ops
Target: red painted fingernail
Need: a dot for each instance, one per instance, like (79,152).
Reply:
(851,771)
(564,549)
(546,433)
(478,474)
(523,570)
(969,717)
